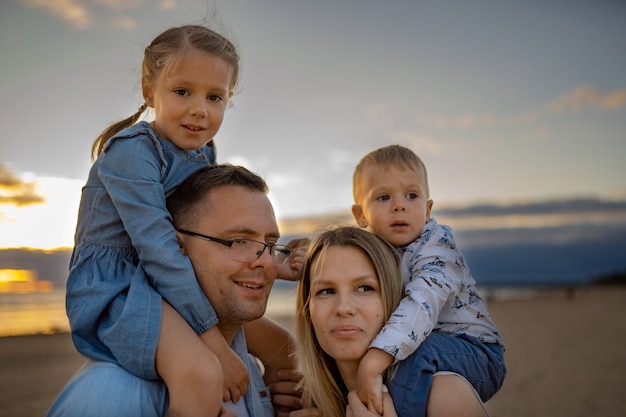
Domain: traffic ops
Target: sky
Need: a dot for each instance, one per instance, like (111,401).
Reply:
(506,102)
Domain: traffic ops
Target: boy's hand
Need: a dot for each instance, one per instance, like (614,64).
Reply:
(236,378)
(370,378)
(290,270)
(356,408)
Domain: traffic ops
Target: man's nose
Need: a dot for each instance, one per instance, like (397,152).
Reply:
(265,258)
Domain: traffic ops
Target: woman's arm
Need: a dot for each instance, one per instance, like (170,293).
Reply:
(273,345)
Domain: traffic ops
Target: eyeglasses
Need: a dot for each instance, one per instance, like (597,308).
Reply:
(246,250)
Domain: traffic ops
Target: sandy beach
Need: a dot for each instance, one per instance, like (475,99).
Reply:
(565,356)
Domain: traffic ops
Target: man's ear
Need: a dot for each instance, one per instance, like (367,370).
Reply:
(357,212)
(146,89)
(181,242)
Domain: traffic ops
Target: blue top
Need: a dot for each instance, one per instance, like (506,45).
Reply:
(102,389)
(126,254)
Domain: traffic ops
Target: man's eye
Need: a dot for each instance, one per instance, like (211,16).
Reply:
(240,242)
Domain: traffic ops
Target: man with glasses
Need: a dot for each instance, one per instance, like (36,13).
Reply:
(226,226)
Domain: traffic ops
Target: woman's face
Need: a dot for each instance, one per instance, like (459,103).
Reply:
(346,305)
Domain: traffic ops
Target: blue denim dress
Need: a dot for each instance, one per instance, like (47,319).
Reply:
(126,256)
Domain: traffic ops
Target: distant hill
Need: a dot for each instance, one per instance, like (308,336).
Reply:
(554,242)
(550,243)
(49,265)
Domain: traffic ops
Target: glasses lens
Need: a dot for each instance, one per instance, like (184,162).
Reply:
(249,250)
(245,250)
(280,254)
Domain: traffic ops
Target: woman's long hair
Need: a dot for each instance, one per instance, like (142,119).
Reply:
(323,386)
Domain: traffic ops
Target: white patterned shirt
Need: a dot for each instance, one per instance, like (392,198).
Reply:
(441,296)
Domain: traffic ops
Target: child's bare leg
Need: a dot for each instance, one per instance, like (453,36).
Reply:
(192,373)
(452,395)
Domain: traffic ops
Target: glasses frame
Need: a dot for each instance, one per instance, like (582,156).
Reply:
(273,247)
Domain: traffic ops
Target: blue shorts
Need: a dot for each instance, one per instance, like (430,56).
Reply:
(482,364)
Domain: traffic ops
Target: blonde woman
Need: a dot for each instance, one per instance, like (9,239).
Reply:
(350,284)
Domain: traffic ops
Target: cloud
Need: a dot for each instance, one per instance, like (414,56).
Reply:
(71,11)
(575,100)
(123,22)
(15,191)
(167,5)
(589,97)
(120,5)
(470,121)
(78,14)
(532,208)
(418,142)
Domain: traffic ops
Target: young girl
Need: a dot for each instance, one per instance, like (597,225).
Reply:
(129,284)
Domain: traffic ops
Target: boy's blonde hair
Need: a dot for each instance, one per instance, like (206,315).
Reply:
(323,386)
(386,157)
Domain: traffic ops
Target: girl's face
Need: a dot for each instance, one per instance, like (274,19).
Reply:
(346,305)
(190,99)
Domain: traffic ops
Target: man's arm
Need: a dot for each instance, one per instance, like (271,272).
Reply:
(273,345)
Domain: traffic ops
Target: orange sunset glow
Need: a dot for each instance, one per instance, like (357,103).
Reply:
(22,281)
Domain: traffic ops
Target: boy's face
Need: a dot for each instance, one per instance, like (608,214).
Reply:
(393,203)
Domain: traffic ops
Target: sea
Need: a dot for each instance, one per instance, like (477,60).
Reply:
(44,312)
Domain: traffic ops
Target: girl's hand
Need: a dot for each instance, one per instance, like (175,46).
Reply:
(290,270)
(225,412)
(236,378)
(356,408)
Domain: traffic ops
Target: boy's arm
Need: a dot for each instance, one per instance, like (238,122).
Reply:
(273,345)
(370,378)
(432,267)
